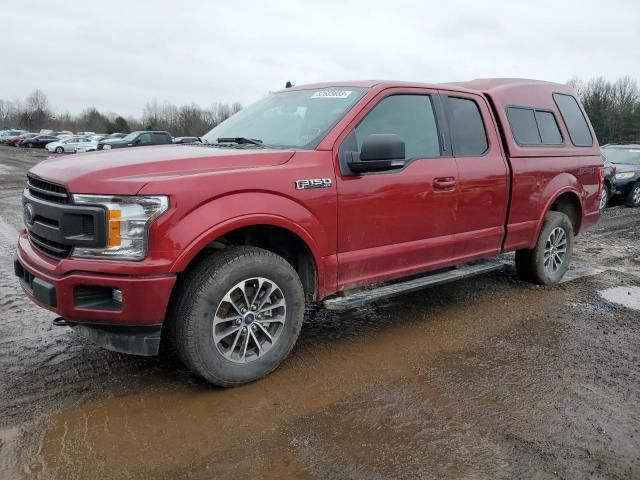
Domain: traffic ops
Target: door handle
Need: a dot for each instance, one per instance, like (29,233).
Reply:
(444,183)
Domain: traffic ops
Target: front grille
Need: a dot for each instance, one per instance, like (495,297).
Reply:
(49,247)
(47,191)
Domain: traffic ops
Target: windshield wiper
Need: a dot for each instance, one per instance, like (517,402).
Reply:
(241,141)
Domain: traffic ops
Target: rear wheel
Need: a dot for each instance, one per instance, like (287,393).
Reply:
(548,261)
(633,197)
(236,315)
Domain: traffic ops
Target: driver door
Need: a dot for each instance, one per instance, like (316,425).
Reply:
(403,221)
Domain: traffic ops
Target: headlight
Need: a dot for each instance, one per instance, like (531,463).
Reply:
(128,221)
(625,175)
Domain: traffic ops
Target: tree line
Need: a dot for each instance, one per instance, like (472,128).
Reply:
(612,106)
(35,113)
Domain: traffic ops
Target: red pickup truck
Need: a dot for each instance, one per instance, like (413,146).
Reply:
(344,193)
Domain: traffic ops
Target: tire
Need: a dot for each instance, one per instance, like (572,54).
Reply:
(633,197)
(59,150)
(201,299)
(530,264)
(604,198)
(29,145)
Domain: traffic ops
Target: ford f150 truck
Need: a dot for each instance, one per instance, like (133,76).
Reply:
(339,193)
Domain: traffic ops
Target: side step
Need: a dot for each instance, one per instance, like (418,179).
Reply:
(362,297)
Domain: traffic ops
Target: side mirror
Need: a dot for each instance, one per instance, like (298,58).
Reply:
(379,152)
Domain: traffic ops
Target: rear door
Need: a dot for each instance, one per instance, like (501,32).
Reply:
(483,184)
(398,222)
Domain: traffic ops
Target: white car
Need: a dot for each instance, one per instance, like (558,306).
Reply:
(89,147)
(69,145)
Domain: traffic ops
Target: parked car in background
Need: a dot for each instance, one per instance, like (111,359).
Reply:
(85,134)
(609,181)
(187,140)
(626,160)
(87,147)
(117,135)
(5,134)
(99,136)
(39,141)
(137,139)
(69,145)
(13,141)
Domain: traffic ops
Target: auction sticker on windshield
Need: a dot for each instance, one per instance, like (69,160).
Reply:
(331,94)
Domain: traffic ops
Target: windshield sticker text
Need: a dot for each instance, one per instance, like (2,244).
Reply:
(331,94)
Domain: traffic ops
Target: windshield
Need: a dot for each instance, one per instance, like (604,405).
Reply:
(129,137)
(629,155)
(296,118)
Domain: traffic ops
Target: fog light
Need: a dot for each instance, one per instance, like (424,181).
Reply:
(117,296)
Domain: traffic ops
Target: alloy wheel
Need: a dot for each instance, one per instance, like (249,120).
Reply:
(249,320)
(555,250)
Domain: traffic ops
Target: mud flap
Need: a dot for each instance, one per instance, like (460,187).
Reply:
(144,341)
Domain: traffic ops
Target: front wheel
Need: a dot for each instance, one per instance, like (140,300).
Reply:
(548,261)
(59,150)
(633,197)
(29,145)
(236,315)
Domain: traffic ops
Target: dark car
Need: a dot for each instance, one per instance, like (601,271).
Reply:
(13,141)
(626,160)
(186,140)
(136,139)
(610,181)
(39,141)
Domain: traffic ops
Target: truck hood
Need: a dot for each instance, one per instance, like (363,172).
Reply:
(125,171)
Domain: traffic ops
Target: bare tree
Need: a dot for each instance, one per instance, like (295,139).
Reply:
(7,113)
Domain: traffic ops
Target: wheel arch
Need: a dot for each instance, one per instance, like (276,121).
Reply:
(566,201)
(274,233)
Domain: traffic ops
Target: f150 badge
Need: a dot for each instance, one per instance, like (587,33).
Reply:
(313,183)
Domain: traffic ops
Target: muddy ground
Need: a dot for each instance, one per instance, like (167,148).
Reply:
(487,378)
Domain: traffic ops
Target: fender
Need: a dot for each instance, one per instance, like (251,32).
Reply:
(224,214)
(553,190)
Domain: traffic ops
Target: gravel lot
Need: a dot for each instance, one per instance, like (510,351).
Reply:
(488,378)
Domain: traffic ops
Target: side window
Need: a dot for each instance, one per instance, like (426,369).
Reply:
(144,139)
(160,138)
(468,135)
(409,116)
(523,126)
(574,120)
(531,127)
(548,127)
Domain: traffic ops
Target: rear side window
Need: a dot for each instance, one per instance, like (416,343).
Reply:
(548,128)
(574,120)
(531,127)
(409,116)
(468,136)
(160,138)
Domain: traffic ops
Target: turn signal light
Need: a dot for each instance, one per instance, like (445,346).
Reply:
(115,217)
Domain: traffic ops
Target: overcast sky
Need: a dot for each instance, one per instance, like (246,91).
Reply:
(118,55)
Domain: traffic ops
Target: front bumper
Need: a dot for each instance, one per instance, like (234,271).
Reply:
(144,298)
(623,187)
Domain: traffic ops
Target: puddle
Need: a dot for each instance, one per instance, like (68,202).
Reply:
(626,296)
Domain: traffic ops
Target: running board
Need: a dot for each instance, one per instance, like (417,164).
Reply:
(362,297)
